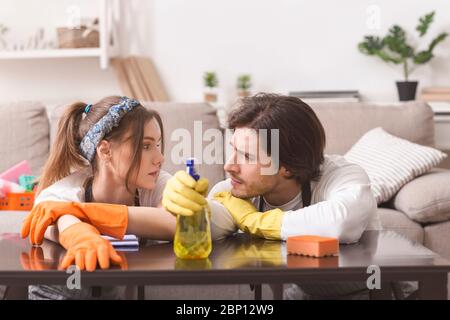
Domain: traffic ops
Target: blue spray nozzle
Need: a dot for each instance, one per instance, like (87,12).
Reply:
(190,167)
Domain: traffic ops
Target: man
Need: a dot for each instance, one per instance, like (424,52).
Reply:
(308,193)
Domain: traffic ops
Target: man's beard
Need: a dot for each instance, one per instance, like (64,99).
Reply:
(246,196)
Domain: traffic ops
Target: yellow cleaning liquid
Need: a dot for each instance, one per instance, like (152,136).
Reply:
(193,236)
(193,233)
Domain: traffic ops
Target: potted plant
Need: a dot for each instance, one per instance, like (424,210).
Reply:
(3,31)
(244,84)
(395,48)
(210,82)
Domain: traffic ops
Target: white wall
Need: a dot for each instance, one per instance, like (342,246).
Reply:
(285,45)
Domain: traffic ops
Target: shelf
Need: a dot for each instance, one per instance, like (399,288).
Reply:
(51,53)
(108,27)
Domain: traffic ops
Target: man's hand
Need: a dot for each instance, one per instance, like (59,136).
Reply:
(263,224)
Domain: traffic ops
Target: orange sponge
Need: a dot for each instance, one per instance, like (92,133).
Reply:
(313,246)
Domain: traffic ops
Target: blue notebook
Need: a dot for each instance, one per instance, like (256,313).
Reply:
(130,242)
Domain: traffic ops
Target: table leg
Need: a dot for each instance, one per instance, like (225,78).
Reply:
(258,291)
(141,293)
(277,290)
(16,293)
(433,287)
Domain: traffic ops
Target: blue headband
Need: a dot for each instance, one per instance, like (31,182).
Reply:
(104,126)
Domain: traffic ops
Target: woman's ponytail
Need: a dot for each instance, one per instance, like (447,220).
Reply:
(64,154)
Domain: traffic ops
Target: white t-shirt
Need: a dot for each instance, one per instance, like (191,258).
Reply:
(71,188)
(342,205)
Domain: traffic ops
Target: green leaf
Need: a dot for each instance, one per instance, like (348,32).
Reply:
(422,57)
(388,58)
(371,45)
(436,40)
(426,55)
(244,82)
(210,79)
(3,29)
(424,23)
(396,42)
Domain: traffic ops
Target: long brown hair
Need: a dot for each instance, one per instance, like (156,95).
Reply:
(302,136)
(65,156)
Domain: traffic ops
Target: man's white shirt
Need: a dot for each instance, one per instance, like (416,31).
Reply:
(342,205)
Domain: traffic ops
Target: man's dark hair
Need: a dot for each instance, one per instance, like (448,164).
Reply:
(301,135)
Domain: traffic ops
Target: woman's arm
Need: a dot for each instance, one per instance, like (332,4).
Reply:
(150,222)
(53,231)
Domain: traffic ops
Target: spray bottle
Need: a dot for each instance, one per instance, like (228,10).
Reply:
(193,233)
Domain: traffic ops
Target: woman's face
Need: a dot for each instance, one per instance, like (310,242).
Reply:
(151,159)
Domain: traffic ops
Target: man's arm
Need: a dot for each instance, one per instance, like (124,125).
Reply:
(344,212)
(222,223)
(342,207)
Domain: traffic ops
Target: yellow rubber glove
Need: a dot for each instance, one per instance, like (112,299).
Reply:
(85,246)
(109,219)
(183,195)
(262,224)
(261,252)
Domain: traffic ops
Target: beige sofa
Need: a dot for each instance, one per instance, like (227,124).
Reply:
(27,129)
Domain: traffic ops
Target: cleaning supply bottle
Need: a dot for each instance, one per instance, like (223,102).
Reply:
(193,233)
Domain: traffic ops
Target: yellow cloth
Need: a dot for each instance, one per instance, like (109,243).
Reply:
(183,195)
(263,224)
(110,219)
(85,246)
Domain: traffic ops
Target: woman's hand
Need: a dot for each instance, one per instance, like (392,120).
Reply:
(110,219)
(183,195)
(86,248)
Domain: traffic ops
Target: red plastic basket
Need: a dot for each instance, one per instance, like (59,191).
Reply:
(17,201)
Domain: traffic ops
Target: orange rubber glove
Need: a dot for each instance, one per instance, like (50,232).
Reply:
(109,219)
(35,260)
(85,246)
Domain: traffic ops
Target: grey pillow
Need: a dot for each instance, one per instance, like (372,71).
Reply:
(24,135)
(427,198)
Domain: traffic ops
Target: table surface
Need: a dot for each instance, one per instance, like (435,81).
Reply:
(237,259)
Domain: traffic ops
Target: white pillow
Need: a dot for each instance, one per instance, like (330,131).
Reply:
(391,162)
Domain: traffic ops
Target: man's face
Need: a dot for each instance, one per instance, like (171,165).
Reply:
(245,165)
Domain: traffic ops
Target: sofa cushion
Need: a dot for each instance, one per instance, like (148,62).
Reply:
(391,162)
(427,198)
(346,122)
(24,135)
(399,222)
(436,238)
